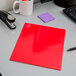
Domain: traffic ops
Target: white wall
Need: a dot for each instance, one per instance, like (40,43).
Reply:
(7,4)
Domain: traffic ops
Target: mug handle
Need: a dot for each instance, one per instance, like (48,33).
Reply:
(16,11)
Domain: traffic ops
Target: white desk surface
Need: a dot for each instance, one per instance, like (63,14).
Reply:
(9,37)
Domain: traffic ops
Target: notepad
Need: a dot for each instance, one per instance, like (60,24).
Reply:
(40,45)
(46,17)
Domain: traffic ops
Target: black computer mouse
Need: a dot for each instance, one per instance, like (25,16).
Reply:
(0,74)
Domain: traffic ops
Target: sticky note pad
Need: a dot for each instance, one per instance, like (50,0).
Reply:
(46,17)
(40,45)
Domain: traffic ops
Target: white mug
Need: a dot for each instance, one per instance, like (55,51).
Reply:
(25,7)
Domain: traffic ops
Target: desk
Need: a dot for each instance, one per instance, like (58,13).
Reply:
(9,37)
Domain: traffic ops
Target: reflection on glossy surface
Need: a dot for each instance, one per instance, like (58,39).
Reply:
(40,45)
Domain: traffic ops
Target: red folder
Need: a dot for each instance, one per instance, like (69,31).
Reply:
(40,45)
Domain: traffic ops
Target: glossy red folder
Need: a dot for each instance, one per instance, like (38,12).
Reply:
(40,45)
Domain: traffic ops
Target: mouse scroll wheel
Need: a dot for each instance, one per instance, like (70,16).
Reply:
(11,18)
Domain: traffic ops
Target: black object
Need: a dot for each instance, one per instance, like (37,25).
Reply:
(8,19)
(65,3)
(71,49)
(0,74)
(43,1)
(61,3)
(71,12)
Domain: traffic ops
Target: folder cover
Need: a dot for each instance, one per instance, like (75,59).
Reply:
(40,45)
